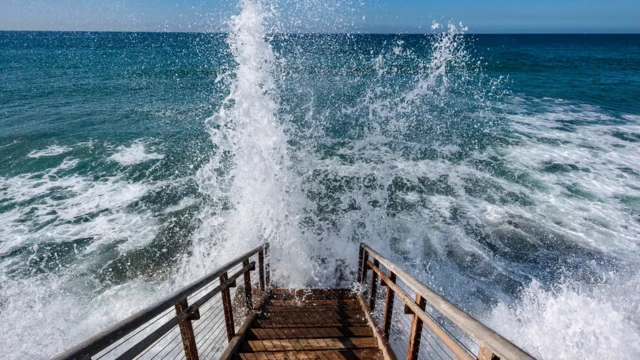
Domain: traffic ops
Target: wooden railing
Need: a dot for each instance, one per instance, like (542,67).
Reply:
(211,303)
(450,332)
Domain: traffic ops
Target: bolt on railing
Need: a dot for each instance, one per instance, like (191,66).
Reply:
(191,317)
(436,340)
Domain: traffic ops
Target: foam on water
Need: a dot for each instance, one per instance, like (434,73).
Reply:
(574,321)
(51,150)
(58,205)
(57,227)
(588,180)
(66,308)
(134,154)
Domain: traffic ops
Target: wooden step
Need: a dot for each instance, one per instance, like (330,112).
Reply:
(310,324)
(353,314)
(308,344)
(309,333)
(267,324)
(313,294)
(302,308)
(312,302)
(352,354)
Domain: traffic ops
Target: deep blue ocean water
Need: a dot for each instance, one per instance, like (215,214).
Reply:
(504,170)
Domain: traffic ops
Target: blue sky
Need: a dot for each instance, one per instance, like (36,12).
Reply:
(492,16)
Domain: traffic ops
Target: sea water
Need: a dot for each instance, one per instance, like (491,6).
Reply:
(501,170)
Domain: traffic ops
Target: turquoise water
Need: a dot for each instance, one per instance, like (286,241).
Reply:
(503,170)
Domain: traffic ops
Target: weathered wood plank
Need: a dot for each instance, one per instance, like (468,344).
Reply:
(313,294)
(309,333)
(383,344)
(388,308)
(284,323)
(312,308)
(312,302)
(308,344)
(413,353)
(353,314)
(186,332)
(311,324)
(352,354)
(228,309)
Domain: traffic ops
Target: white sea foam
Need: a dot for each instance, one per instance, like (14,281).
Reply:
(183,204)
(52,150)
(574,321)
(632,117)
(10,144)
(579,185)
(134,154)
(585,196)
(58,205)
(58,310)
(64,209)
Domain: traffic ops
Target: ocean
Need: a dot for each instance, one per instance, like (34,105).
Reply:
(501,170)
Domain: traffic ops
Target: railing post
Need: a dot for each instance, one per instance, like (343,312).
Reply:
(361,263)
(228,308)
(416,331)
(186,332)
(374,286)
(261,269)
(267,265)
(247,286)
(388,307)
(365,258)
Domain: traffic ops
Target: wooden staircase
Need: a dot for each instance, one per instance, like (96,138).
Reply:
(310,324)
(200,320)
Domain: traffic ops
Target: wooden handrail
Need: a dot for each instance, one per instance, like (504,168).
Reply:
(492,344)
(455,347)
(106,338)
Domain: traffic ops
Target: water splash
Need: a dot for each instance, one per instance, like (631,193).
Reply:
(252,165)
(574,321)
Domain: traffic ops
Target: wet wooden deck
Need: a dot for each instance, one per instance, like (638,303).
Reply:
(310,324)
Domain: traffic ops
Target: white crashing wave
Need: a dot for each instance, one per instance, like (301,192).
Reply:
(260,186)
(574,321)
(58,206)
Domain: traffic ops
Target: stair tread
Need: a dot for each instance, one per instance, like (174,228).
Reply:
(351,354)
(311,332)
(307,344)
(310,324)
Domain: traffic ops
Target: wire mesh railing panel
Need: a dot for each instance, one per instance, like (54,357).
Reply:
(198,321)
(211,323)
(434,347)
(454,330)
(420,324)
(162,348)
(400,329)
(119,347)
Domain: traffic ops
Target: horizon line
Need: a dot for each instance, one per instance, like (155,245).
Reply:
(637,32)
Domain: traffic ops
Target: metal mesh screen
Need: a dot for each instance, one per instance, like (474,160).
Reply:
(196,321)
